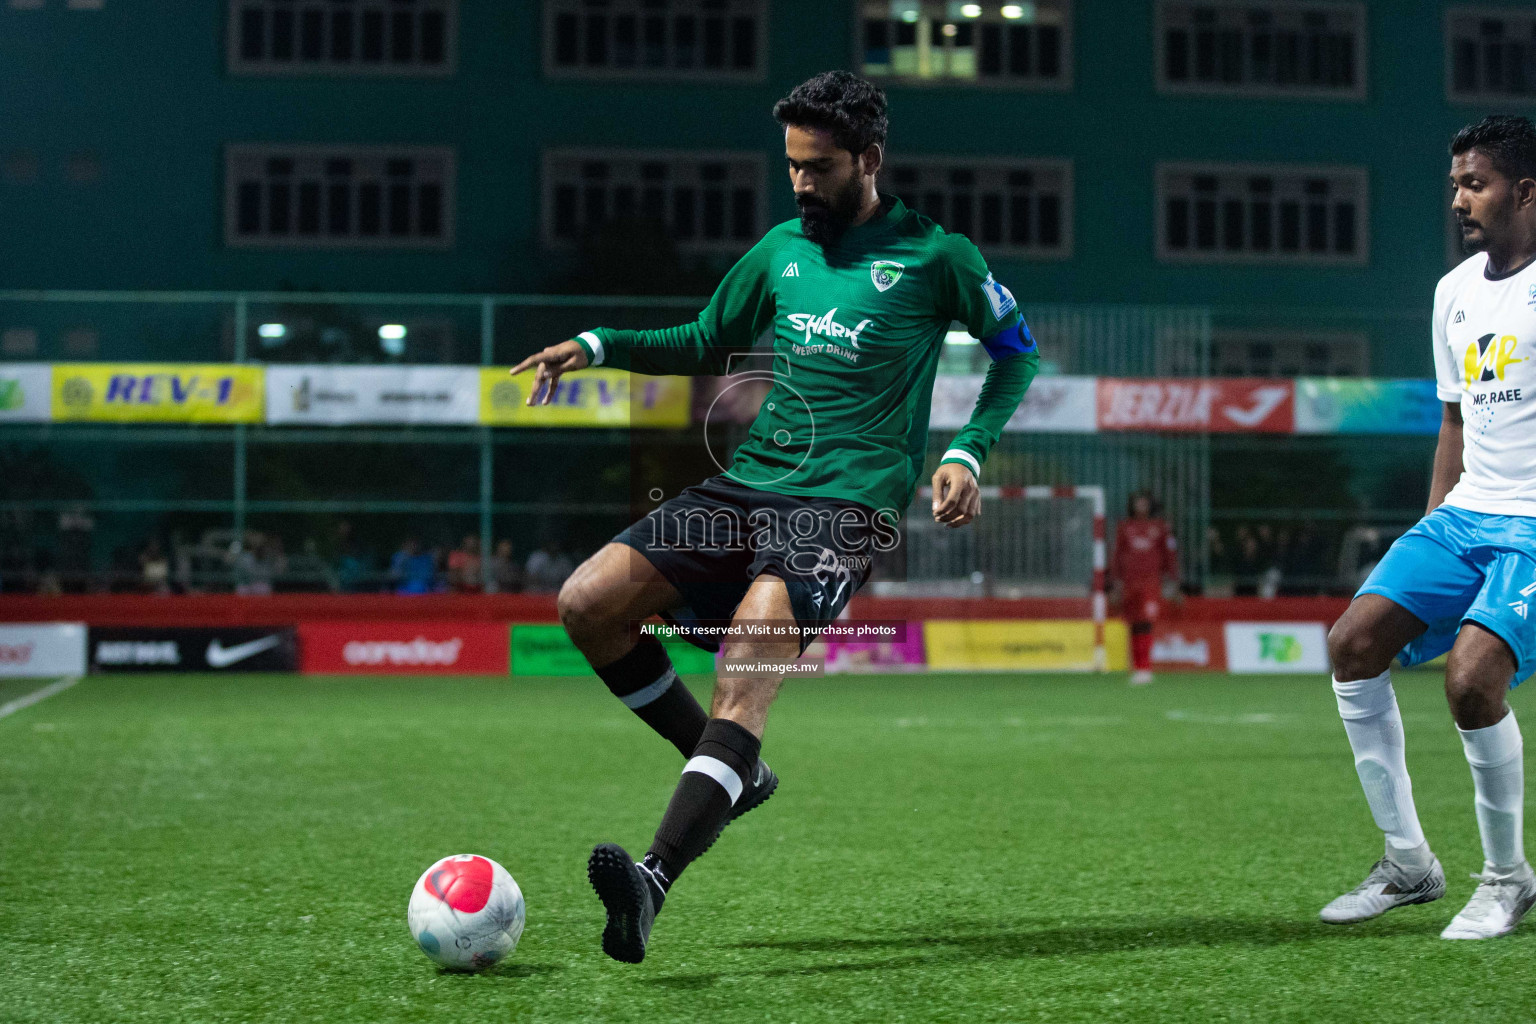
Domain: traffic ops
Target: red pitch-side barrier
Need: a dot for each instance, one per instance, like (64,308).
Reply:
(230,610)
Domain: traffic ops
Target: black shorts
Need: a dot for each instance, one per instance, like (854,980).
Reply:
(715,538)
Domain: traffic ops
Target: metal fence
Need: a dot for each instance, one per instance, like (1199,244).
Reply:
(191,485)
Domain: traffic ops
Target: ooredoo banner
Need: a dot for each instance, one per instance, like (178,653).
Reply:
(403,648)
(373,394)
(36,650)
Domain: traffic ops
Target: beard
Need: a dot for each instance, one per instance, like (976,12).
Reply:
(1476,242)
(825,220)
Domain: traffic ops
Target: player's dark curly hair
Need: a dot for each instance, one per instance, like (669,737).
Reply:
(840,102)
(1508,141)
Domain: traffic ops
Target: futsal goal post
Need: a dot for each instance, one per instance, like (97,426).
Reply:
(1034,553)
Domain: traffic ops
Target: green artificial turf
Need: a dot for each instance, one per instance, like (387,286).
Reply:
(942,848)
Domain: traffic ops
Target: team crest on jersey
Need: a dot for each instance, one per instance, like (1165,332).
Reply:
(1487,359)
(1532,300)
(885,273)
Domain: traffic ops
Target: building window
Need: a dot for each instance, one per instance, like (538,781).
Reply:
(713,39)
(1490,54)
(1007,207)
(339,196)
(1289,354)
(18,342)
(342,37)
(1010,44)
(705,202)
(1261,48)
(1250,213)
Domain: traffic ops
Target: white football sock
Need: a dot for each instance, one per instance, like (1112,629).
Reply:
(1375,730)
(1498,775)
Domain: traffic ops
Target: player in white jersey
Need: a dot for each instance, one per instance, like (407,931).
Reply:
(1464,579)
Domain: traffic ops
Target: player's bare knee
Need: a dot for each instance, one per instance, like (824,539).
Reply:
(1353,652)
(580,608)
(1475,691)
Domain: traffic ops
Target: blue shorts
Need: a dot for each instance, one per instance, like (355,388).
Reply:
(1457,566)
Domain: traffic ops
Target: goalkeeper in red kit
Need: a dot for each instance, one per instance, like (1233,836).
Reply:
(1146,554)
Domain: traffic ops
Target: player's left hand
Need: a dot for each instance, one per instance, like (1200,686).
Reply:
(956,496)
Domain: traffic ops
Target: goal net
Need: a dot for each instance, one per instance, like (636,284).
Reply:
(1034,553)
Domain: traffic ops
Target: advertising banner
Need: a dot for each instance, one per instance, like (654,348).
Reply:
(1221,405)
(1189,647)
(229,649)
(1021,645)
(157,392)
(1276,647)
(403,648)
(37,650)
(1052,404)
(592,398)
(1342,405)
(329,395)
(26,392)
(546,650)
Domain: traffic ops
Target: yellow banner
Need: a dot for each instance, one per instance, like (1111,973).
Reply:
(1021,645)
(587,398)
(158,392)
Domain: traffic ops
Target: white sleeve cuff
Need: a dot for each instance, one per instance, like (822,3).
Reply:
(965,457)
(597,346)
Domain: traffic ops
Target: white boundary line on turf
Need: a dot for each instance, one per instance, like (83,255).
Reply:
(20,703)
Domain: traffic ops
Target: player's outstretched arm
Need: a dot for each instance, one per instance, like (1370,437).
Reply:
(548,366)
(741,309)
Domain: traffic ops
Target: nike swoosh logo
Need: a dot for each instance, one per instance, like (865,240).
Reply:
(220,656)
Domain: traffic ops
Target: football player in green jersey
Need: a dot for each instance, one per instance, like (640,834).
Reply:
(859,293)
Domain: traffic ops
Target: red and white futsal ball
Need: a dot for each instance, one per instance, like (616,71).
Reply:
(466,912)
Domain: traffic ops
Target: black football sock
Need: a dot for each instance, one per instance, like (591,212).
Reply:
(646,682)
(713,779)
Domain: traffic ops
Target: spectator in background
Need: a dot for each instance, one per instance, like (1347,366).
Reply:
(1216,552)
(352,570)
(1146,555)
(464,567)
(506,574)
(548,567)
(1247,563)
(154,569)
(412,570)
(76,528)
(257,564)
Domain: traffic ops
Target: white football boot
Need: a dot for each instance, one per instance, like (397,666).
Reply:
(1389,885)
(1141,677)
(1496,907)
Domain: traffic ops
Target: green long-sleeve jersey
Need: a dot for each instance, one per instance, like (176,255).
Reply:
(857,332)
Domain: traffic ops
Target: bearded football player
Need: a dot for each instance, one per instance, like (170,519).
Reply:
(858,292)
